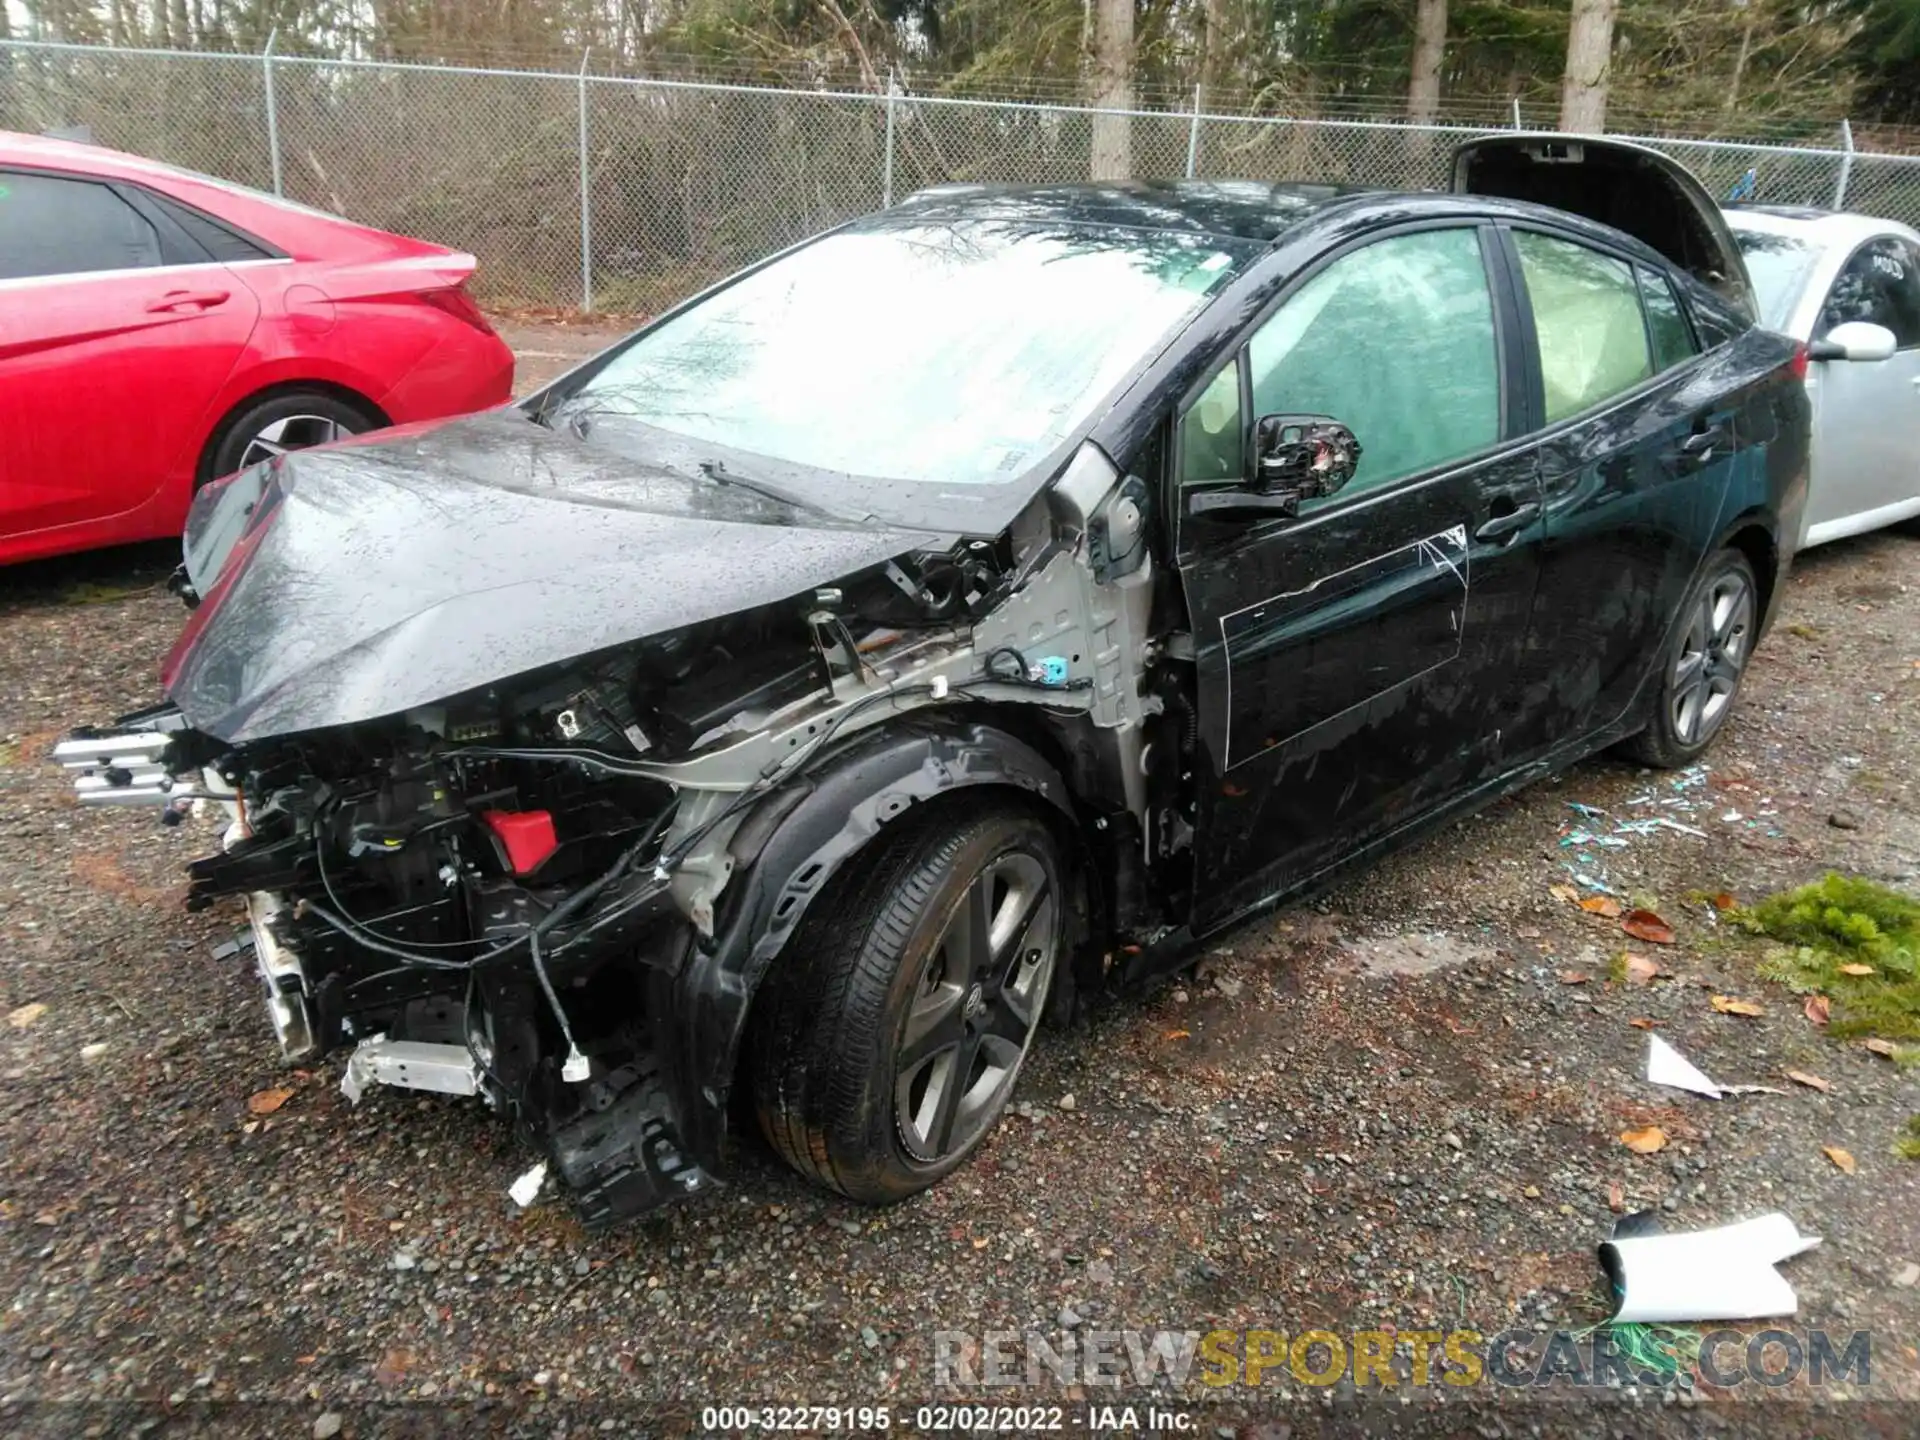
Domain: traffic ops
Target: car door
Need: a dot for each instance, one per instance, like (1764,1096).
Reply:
(1353,660)
(1866,451)
(1636,458)
(115,335)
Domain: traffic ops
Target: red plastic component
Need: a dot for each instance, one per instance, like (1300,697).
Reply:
(1797,367)
(526,835)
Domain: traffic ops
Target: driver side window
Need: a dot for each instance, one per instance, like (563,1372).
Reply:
(1396,341)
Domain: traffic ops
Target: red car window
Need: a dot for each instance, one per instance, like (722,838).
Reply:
(55,226)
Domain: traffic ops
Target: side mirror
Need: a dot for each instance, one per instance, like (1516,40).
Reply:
(1296,457)
(1855,340)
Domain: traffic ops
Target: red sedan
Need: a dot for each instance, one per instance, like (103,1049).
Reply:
(160,328)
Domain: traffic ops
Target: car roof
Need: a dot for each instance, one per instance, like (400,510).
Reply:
(20,149)
(1251,211)
(1234,209)
(1818,227)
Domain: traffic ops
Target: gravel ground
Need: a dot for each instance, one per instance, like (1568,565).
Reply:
(1398,1106)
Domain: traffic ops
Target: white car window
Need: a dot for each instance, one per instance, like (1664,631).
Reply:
(1879,284)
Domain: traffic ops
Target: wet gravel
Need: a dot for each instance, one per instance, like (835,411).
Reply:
(1397,1106)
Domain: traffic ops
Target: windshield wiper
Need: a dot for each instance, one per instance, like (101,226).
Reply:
(717,472)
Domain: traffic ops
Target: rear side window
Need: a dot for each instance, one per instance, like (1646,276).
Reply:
(216,239)
(1666,322)
(1881,285)
(1586,311)
(52,225)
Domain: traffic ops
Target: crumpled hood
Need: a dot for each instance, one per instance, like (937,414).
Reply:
(364,579)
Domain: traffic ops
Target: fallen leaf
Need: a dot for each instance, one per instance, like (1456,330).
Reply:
(1564,892)
(1616,1198)
(1574,977)
(1641,969)
(1882,1047)
(1644,1022)
(1812,1082)
(1176,1035)
(1727,1005)
(1644,1141)
(1647,926)
(1856,970)
(1724,900)
(1842,1160)
(393,1367)
(26,1015)
(1818,1008)
(265,1102)
(1603,905)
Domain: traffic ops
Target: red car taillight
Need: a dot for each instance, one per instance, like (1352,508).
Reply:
(1797,366)
(456,302)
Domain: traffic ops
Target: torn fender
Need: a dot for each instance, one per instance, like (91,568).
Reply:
(799,840)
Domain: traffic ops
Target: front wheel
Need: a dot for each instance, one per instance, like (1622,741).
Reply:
(891,1032)
(1704,666)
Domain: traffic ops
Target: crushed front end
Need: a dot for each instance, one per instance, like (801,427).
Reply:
(555,883)
(475,899)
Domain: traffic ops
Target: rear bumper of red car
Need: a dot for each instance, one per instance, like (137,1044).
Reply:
(465,371)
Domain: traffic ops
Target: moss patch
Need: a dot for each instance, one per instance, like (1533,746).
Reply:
(1852,940)
(1907,1147)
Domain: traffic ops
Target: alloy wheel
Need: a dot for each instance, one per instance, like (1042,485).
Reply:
(1712,656)
(974,1013)
(293,432)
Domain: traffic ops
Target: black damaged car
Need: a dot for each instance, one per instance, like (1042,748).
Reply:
(951,619)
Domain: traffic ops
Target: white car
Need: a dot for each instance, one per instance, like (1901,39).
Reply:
(1848,285)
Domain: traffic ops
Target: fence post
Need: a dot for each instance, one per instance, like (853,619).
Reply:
(273,110)
(1846,165)
(1516,114)
(586,199)
(1193,135)
(886,163)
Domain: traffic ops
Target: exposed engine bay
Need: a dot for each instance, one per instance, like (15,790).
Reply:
(523,892)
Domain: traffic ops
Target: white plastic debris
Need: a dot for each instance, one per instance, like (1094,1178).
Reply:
(1721,1274)
(524,1190)
(1667,1066)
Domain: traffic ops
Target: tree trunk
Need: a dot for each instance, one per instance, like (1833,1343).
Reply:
(1583,92)
(1740,64)
(1213,48)
(1429,50)
(1113,89)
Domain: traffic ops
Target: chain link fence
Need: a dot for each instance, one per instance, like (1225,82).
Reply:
(625,195)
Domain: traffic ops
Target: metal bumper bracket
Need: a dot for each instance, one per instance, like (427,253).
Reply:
(410,1065)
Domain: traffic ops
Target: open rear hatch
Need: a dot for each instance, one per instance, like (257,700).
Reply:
(1634,189)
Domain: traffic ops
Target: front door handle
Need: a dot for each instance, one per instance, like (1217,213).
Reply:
(1502,528)
(1698,447)
(186,300)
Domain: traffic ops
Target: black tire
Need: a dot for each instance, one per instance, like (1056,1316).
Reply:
(1675,735)
(883,947)
(304,413)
